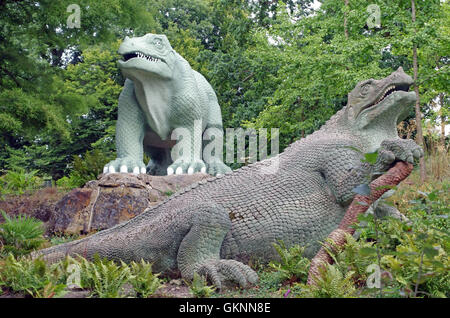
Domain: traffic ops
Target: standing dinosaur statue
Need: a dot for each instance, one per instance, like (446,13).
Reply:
(162,93)
(216,225)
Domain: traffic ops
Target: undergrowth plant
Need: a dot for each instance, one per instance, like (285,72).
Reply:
(104,278)
(19,181)
(354,257)
(331,283)
(143,280)
(199,287)
(20,234)
(292,265)
(31,277)
(84,169)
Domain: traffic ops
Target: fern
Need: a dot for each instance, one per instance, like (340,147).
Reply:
(105,278)
(331,283)
(199,287)
(144,282)
(292,265)
(29,276)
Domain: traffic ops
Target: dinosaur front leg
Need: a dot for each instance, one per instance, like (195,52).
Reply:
(187,153)
(397,149)
(199,250)
(129,135)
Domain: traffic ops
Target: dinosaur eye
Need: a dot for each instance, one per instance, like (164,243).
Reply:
(365,89)
(158,43)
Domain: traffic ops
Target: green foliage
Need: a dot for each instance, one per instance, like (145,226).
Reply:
(85,169)
(419,259)
(144,282)
(331,283)
(28,276)
(413,256)
(69,182)
(354,257)
(199,287)
(19,181)
(104,278)
(269,67)
(293,265)
(57,240)
(20,235)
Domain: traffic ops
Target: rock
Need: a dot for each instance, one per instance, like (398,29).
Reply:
(40,204)
(113,199)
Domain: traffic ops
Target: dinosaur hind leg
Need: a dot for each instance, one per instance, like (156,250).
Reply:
(199,250)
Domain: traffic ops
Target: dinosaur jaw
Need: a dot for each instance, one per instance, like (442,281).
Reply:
(392,107)
(384,94)
(141,55)
(136,61)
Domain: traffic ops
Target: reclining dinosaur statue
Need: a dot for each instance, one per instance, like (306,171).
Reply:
(162,93)
(215,226)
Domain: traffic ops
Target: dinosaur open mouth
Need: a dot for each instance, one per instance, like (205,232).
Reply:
(388,91)
(133,55)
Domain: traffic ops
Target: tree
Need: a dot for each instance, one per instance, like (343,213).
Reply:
(419,136)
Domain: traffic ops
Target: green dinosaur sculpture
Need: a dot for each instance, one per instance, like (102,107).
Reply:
(217,225)
(162,93)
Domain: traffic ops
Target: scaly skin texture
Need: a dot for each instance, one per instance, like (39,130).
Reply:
(217,225)
(163,95)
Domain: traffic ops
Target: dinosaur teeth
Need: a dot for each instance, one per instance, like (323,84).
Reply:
(386,92)
(147,57)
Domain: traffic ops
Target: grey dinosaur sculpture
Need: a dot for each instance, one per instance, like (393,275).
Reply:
(217,225)
(162,93)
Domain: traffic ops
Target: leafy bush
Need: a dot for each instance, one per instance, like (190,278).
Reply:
(293,265)
(86,168)
(71,182)
(28,276)
(144,282)
(105,278)
(17,182)
(21,234)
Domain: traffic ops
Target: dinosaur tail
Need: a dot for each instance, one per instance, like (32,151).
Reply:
(56,253)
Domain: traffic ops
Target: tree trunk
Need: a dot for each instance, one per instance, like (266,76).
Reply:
(419,138)
(443,121)
(345,19)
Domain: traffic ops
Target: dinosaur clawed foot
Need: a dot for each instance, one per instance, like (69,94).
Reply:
(218,271)
(125,165)
(217,167)
(400,149)
(189,167)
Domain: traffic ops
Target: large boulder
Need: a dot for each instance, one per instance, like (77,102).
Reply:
(113,199)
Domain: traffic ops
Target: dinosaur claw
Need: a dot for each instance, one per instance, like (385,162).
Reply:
(136,170)
(179,170)
(143,170)
(105,169)
(169,171)
(190,170)
(123,169)
(203,170)
(111,169)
